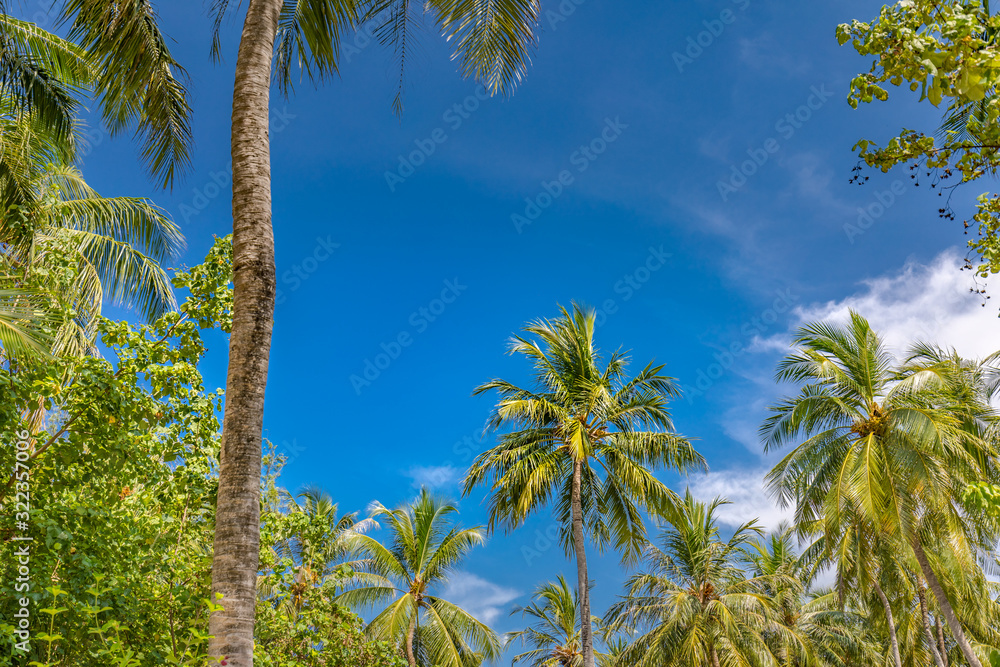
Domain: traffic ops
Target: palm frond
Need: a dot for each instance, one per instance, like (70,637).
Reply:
(24,320)
(140,84)
(493,39)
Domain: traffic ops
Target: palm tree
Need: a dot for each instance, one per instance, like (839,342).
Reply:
(317,544)
(493,40)
(115,52)
(402,578)
(887,447)
(116,246)
(694,604)
(585,437)
(554,635)
(814,629)
(42,77)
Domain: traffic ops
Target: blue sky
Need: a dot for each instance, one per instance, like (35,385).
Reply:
(633,135)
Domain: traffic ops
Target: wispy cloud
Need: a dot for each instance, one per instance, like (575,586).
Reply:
(481,598)
(744,489)
(715,146)
(435,477)
(811,179)
(928,302)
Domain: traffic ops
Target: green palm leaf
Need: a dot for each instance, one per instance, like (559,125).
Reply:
(140,84)
(24,320)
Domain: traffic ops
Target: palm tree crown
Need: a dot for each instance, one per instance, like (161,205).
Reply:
(694,604)
(613,427)
(86,248)
(404,577)
(554,633)
(814,629)
(585,437)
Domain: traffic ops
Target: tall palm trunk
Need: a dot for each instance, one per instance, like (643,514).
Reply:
(926,619)
(893,639)
(410,632)
(946,609)
(582,578)
(715,657)
(237,524)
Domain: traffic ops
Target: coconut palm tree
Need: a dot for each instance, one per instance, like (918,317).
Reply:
(554,633)
(585,438)
(61,237)
(317,544)
(692,603)
(114,247)
(114,52)
(42,76)
(884,446)
(42,79)
(402,580)
(493,40)
(815,630)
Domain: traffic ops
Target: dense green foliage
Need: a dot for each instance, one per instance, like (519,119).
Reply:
(948,52)
(121,485)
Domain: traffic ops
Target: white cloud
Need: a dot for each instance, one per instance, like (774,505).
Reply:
(745,491)
(921,302)
(481,598)
(434,477)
